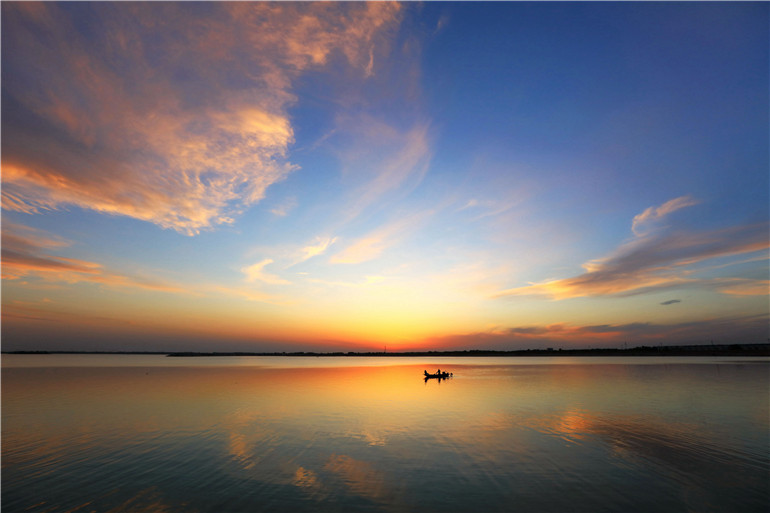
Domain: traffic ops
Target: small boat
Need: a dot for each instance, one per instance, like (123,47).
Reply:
(437,375)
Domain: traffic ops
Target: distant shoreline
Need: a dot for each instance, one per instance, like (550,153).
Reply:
(690,350)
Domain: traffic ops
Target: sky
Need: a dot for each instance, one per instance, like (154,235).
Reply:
(365,176)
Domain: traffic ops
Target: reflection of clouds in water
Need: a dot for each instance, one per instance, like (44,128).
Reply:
(251,437)
(573,425)
(369,435)
(343,472)
(685,454)
(255,442)
(375,439)
(681,452)
(244,434)
(146,501)
(685,448)
(35,447)
(541,436)
(360,477)
(308,481)
(488,438)
(240,449)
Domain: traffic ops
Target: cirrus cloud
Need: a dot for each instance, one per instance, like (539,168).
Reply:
(727,329)
(371,245)
(256,272)
(643,222)
(29,253)
(658,260)
(317,247)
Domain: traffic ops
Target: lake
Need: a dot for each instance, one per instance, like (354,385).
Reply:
(134,433)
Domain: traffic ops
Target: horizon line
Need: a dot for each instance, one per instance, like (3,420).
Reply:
(755,349)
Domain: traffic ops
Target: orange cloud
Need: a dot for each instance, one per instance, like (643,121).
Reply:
(745,287)
(17,265)
(654,261)
(25,253)
(164,114)
(726,330)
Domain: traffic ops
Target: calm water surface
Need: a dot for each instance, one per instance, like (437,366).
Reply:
(119,433)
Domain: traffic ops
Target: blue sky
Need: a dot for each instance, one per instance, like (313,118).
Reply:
(347,175)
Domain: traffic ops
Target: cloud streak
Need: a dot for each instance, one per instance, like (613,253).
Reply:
(655,261)
(318,247)
(746,329)
(387,161)
(256,272)
(173,114)
(29,253)
(652,215)
(26,253)
(373,244)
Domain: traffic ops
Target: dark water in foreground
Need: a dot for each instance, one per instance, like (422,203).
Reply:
(149,433)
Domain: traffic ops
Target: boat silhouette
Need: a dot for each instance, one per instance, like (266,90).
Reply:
(437,375)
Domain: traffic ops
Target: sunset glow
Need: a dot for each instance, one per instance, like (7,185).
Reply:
(290,176)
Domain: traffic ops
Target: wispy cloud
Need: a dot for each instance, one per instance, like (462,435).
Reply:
(362,250)
(671,302)
(371,245)
(159,113)
(27,252)
(721,330)
(487,207)
(442,22)
(30,253)
(653,261)
(248,293)
(646,220)
(386,161)
(366,282)
(256,272)
(283,209)
(361,477)
(743,287)
(318,247)
(27,239)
